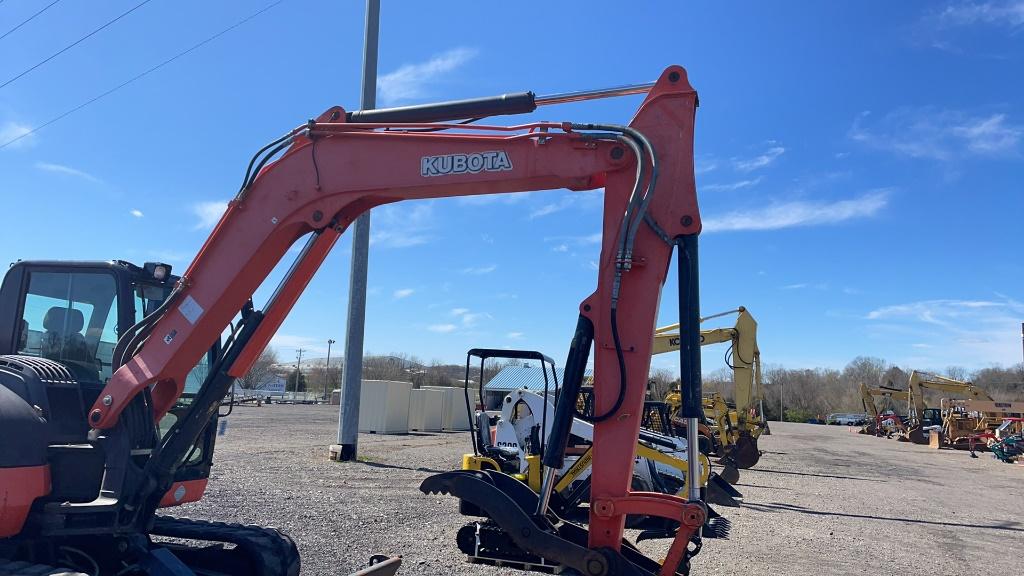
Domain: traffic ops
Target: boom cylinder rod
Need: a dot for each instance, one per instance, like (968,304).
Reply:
(579,96)
(505,104)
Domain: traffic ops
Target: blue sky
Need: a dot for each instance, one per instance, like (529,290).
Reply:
(859,165)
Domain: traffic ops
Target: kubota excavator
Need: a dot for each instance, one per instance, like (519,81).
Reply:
(737,427)
(313,182)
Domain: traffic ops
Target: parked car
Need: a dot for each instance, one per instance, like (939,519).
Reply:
(847,419)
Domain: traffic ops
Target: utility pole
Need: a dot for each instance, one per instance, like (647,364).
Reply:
(352,374)
(298,369)
(782,389)
(327,375)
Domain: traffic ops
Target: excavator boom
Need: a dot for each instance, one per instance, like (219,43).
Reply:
(318,178)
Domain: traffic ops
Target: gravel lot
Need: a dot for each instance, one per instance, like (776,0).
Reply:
(821,501)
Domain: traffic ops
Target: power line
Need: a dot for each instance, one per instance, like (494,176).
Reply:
(75,43)
(27,20)
(140,75)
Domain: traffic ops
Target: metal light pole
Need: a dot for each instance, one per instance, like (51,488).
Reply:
(348,416)
(327,375)
(782,389)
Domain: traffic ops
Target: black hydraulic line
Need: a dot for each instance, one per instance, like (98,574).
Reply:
(252,161)
(572,381)
(515,103)
(689,328)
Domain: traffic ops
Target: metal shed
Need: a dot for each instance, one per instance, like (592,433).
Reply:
(512,378)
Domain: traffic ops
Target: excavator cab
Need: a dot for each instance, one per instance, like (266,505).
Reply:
(73,314)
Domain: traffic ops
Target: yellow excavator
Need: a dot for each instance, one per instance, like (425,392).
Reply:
(882,424)
(922,417)
(973,422)
(739,427)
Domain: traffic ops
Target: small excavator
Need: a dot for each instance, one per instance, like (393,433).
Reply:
(922,418)
(882,423)
(512,440)
(89,458)
(739,426)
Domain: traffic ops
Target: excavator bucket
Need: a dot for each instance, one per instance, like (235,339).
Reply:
(720,492)
(916,435)
(744,454)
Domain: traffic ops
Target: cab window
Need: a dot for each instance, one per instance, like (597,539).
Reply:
(66,316)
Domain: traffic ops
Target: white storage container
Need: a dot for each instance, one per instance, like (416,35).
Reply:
(384,407)
(453,415)
(425,410)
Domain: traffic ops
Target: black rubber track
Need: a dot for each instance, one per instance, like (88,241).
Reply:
(258,551)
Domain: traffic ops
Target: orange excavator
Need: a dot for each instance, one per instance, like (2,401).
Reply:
(90,456)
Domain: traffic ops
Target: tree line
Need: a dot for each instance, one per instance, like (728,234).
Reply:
(802,393)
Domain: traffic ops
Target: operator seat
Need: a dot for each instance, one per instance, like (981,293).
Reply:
(63,340)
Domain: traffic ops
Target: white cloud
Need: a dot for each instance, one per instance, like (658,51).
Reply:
(16,134)
(937,134)
(955,331)
(469,319)
(170,256)
(403,293)
(66,170)
(292,342)
(939,312)
(480,270)
(473,318)
(515,335)
(402,225)
(208,213)
(704,164)
(757,162)
(798,213)
(1005,14)
(586,240)
(731,186)
(546,210)
(561,248)
(803,285)
(489,199)
(442,328)
(410,81)
(136,212)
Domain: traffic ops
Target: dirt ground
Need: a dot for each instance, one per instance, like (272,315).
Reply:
(821,501)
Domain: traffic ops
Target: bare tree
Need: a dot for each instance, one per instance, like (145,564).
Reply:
(661,383)
(261,373)
(865,369)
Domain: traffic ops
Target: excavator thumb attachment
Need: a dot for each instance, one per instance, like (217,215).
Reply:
(744,453)
(515,536)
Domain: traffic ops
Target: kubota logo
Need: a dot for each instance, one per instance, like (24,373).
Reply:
(494,161)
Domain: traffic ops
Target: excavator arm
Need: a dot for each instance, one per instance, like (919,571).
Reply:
(319,177)
(746,357)
(920,381)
